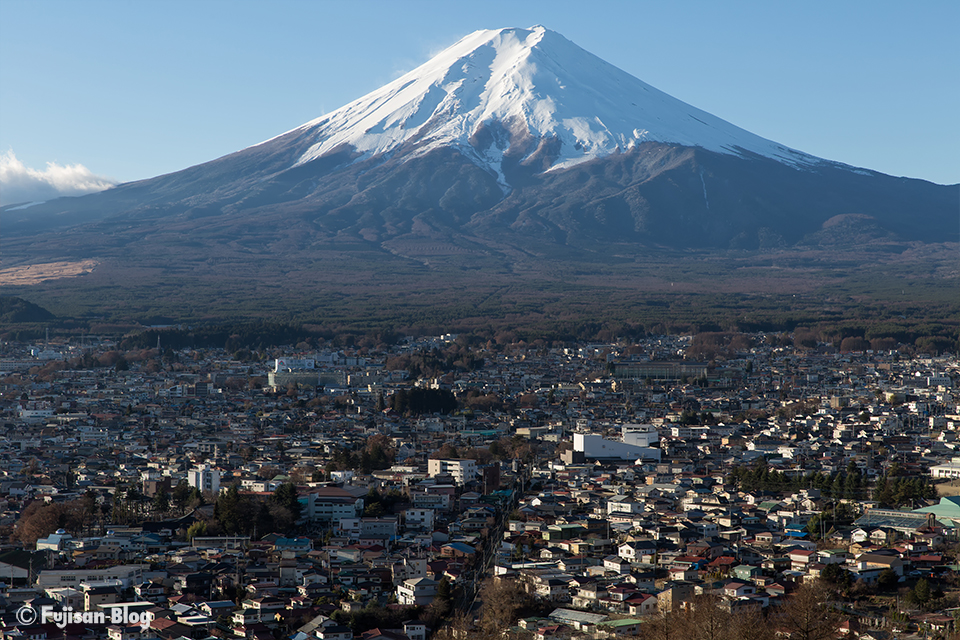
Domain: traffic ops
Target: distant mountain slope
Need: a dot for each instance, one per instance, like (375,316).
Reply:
(16,310)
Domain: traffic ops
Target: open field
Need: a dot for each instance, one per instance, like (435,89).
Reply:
(29,274)
(951,488)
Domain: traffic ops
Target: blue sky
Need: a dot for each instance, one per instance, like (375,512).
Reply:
(131,90)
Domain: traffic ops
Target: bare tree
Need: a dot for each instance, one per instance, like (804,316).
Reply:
(752,626)
(706,620)
(502,601)
(664,625)
(807,614)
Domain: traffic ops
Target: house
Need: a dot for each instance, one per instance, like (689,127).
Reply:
(800,558)
(879,561)
(59,541)
(746,572)
(616,564)
(641,604)
(95,597)
(417,591)
(334,632)
(682,572)
(415,630)
(675,596)
(736,589)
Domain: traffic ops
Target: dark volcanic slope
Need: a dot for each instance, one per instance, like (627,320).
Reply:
(654,195)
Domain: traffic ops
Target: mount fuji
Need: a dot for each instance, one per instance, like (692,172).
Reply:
(511,146)
(521,94)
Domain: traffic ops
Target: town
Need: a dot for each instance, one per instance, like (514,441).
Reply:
(710,485)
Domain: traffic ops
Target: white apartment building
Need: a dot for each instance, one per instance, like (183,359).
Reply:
(418,519)
(204,478)
(330,504)
(463,471)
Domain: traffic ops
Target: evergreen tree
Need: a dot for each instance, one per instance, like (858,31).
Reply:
(227,510)
(161,500)
(181,494)
(921,593)
(286,496)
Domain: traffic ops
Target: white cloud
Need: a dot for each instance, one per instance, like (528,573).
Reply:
(19,183)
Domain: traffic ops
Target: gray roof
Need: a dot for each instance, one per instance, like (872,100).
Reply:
(581,617)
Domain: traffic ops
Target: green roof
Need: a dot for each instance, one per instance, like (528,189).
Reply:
(626,622)
(949,507)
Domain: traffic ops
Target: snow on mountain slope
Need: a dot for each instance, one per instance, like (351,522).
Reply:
(536,84)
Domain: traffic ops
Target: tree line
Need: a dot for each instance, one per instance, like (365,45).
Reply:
(236,513)
(848,484)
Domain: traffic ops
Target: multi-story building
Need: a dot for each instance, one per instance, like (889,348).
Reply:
(204,478)
(418,519)
(462,470)
(330,504)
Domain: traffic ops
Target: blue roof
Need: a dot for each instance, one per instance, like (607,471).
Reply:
(291,542)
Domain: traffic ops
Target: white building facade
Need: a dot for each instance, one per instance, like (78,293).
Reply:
(463,471)
(204,478)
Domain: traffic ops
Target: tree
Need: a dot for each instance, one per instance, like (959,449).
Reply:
(854,344)
(752,626)
(161,500)
(807,614)
(707,621)
(443,589)
(440,607)
(227,510)
(458,628)
(268,472)
(198,528)
(502,602)
(373,510)
(920,593)
(664,625)
(418,401)
(181,494)
(888,579)
(286,497)
(831,572)
(39,520)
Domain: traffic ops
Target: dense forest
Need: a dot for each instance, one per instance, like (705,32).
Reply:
(933,327)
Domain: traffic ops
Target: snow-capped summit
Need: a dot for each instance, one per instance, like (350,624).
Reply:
(517,93)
